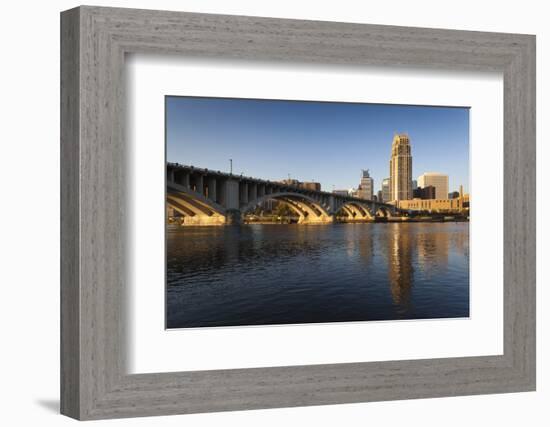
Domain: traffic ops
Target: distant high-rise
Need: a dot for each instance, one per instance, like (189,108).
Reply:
(438,180)
(366,186)
(401,168)
(386,193)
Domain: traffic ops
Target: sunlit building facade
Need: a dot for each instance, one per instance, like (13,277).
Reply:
(401,168)
(438,180)
(459,205)
(386,192)
(366,186)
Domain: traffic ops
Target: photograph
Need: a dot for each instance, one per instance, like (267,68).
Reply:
(293,212)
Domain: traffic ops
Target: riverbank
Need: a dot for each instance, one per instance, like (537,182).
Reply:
(423,219)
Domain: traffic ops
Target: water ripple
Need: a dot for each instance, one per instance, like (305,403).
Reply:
(280,274)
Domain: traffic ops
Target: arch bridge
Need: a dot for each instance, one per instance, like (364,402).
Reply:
(206,197)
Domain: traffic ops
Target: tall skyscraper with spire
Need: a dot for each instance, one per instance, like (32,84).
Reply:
(401,168)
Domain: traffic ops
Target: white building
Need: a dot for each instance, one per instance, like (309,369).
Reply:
(437,180)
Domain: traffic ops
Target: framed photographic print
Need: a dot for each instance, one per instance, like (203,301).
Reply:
(262,213)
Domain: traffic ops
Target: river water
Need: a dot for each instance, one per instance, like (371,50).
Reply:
(285,274)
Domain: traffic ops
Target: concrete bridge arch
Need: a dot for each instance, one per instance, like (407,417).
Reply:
(309,209)
(356,211)
(194,208)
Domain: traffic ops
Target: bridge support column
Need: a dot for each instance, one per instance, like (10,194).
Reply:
(252,192)
(185,180)
(332,203)
(180,177)
(261,190)
(243,193)
(212,189)
(199,182)
(231,194)
(233,217)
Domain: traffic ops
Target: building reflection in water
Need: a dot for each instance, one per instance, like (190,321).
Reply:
(433,250)
(366,248)
(400,265)
(422,250)
(280,274)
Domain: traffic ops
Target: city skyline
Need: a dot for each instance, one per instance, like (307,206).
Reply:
(326,142)
(265,240)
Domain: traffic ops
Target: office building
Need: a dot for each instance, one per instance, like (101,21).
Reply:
(461,204)
(401,168)
(438,180)
(366,186)
(386,193)
(433,205)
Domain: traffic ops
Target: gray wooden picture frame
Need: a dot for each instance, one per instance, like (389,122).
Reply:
(94,381)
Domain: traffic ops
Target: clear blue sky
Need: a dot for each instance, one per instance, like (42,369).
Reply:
(328,142)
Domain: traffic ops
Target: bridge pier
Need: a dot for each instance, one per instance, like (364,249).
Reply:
(233,217)
(318,220)
(204,220)
(212,189)
(199,184)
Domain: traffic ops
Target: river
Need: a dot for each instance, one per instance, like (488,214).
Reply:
(292,274)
